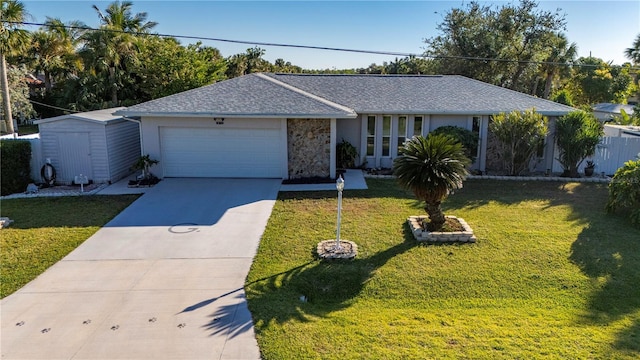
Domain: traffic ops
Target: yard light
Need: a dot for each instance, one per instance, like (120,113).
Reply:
(340,187)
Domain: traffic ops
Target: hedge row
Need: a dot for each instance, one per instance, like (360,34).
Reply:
(15,166)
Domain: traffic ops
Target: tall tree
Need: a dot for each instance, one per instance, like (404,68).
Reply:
(595,81)
(12,40)
(496,45)
(166,67)
(248,62)
(109,50)
(633,53)
(554,65)
(54,49)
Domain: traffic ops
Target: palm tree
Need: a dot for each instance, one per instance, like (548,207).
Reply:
(109,50)
(561,53)
(12,40)
(431,168)
(633,53)
(577,135)
(54,48)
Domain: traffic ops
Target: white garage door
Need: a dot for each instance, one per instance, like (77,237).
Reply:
(221,152)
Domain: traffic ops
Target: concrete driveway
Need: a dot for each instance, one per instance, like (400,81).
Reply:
(163,280)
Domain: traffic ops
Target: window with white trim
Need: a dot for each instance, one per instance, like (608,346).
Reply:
(386,135)
(417,125)
(371,135)
(402,132)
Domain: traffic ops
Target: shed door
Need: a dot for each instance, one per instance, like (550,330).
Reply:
(75,156)
(221,152)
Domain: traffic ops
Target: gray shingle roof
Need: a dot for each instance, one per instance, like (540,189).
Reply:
(427,94)
(97,116)
(340,96)
(249,95)
(613,108)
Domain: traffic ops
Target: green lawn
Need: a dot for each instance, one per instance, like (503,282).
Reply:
(552,276)
(26,130)
(46,230)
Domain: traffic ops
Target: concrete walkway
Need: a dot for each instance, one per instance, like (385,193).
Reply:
(353,180)
(163,280)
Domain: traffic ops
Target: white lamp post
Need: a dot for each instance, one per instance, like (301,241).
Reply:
(340,187)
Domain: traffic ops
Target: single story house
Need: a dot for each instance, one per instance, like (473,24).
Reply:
(622,131)
(606,112)
(95,144)
(288,125)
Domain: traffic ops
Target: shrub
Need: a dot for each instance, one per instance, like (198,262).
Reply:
(16,166)
(577,135)
(520,135)
(624,190)
(467,138)
(346,155)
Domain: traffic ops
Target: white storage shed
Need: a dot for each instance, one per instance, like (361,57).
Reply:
(95,144)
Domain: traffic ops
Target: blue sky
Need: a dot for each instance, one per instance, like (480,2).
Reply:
(600,28)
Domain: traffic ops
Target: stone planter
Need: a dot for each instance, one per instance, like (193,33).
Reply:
(326,249)
(422,235)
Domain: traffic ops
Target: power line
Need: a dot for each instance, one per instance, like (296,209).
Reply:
(313,47)
(53,107)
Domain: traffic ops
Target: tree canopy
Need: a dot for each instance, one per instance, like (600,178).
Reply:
(499,45)
(513,45)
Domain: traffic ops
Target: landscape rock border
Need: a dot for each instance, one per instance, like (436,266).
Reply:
(422,235)
(326,249)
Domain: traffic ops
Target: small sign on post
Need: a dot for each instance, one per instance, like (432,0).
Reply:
(82,180)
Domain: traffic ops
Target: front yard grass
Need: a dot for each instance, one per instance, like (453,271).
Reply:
(46,229)
(552,276)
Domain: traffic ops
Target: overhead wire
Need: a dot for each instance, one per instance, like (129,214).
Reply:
(314,47)
(53,107)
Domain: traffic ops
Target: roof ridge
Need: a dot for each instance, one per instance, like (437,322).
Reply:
(305,93)
(515,91)
(357,75)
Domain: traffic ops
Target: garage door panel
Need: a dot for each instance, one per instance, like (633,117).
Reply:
(220,152)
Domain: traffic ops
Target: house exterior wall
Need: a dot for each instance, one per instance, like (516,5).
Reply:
(349,130)
(123,148)
(436,121)
(309,148)
(53,133)
(150,127)
(416,125)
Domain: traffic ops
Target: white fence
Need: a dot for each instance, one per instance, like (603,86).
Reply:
(611,154)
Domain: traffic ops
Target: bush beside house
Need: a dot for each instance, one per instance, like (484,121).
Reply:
(15,166)
(577,135)
(519,137)
(624,191)
(467,138)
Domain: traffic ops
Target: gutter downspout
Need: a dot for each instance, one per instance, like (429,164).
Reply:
(139,122)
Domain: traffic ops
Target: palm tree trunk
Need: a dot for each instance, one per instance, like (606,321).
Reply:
(534,87)
(47,82)
(436,216)
(114,87)
(6,100)
(547,86)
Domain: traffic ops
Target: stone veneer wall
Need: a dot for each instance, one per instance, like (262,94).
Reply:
(309,147)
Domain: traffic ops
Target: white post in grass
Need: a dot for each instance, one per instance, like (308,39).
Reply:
(340,187)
